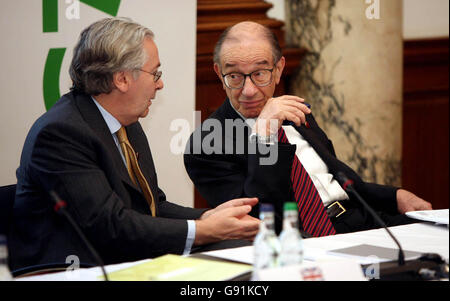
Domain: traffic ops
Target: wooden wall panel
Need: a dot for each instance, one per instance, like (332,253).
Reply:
(425,154)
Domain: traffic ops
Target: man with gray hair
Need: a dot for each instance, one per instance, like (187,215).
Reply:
(90,149)
(249,63)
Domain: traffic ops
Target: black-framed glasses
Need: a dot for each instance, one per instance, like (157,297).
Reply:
(236,80)
(156,74)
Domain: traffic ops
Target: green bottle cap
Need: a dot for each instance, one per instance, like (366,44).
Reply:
(288,206)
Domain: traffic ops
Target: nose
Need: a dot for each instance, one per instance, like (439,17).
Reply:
(159,84)
(249,89)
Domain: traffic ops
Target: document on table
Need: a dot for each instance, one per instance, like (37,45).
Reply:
(245,254)
(439,216)
(241,254)
(365,253)
(177,268)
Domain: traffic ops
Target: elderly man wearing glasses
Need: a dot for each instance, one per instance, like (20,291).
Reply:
(249,63)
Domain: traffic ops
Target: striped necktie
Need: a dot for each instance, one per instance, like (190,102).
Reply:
(133,168)
(313,215)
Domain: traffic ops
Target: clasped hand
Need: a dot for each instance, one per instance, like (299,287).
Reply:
(276,110)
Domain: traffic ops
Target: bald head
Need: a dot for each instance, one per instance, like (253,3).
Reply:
(244,32)
(247,29)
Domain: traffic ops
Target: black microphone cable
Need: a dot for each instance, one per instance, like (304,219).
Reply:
(60,208)
(347,184)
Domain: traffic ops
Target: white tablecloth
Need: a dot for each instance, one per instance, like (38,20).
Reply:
(421,237)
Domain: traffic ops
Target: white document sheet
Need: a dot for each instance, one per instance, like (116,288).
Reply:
(439,216)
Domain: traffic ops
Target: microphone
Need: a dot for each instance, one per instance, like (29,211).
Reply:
(428,266)
(347,184)
(60,208)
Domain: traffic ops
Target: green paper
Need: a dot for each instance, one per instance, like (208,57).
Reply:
(178,268)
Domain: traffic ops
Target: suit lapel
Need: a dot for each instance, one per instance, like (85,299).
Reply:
(313,138)
(93,117)
(226,111)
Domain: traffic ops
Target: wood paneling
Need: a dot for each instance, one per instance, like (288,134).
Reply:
(425,154)
(213,17)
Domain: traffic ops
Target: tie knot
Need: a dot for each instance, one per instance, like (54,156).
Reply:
(122,135)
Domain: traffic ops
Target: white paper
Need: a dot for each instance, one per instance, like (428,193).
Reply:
(330,270)
(437,216)
(242,254)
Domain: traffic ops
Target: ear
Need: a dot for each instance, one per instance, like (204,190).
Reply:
(219,74)
(121,81)
(279,68)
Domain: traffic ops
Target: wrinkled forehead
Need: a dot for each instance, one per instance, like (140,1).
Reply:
(246,51)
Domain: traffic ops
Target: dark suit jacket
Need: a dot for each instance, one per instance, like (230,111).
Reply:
(228,173)
(71,150)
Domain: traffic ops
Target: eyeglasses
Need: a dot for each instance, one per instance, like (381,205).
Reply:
(236,80)
(157,74)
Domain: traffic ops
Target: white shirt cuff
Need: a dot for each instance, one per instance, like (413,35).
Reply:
(190,237)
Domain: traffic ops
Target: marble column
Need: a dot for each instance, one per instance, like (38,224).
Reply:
(352,77)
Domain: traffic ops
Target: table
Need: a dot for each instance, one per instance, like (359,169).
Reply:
(421,237)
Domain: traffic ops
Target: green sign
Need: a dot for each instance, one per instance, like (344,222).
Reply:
(55,56)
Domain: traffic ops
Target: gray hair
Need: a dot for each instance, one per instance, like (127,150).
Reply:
(104,48)
(266,34)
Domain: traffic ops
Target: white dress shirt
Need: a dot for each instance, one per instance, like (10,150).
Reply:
(328,188)
(114,125)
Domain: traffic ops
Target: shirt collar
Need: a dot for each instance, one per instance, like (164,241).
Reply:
(112,123)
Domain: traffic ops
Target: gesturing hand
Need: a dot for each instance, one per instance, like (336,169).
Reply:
(229,220)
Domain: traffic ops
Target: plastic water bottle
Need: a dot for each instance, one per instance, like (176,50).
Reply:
(266,246)
(290,239)
(5,274)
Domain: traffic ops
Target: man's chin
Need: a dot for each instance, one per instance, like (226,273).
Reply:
(251,113)
(145,113)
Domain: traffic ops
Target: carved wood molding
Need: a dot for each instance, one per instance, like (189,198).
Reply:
(213,17)
(423,60)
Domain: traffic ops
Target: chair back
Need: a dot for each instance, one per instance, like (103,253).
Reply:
(7,196)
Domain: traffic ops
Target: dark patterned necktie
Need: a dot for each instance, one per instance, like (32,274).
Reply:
(313,215)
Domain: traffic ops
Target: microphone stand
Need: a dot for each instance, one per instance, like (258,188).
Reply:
(60,208)
(348,186)
(428,265)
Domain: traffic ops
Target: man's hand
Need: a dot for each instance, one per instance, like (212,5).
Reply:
(229,220)
(231,203)
(407,201)
(276,110)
